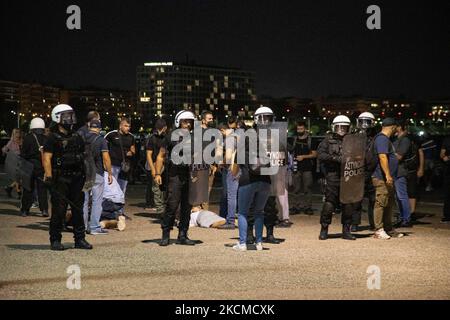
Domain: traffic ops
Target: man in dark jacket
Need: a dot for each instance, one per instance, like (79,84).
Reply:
(32,149)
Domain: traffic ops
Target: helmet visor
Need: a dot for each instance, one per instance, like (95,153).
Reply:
(341,129)
(68,117)
(187,123)
(364,123)
(264,119)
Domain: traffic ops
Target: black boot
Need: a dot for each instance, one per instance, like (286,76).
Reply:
(83,244)
(165,240)
(8,191)
(323,232)
(57,246)
(346,234)
(270,237)
(354,228)
(184,240)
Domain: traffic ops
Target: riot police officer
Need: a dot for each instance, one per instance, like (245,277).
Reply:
(178,184)
(365,124)
(32,149)
(65,176)
(330,156)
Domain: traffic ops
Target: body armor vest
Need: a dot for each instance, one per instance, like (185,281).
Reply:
(69,154)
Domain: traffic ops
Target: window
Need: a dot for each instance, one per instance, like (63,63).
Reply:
(232,96)
(189,88)
(211,77)
(222,95)
(197,83)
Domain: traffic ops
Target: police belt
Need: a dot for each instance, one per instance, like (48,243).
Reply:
(67,172)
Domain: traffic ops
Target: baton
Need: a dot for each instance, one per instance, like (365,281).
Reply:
(52,189)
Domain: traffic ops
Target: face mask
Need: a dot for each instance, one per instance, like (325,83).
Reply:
(67,126)
(39,131)
(211,124)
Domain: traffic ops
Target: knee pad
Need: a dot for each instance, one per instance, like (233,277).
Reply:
(328,207)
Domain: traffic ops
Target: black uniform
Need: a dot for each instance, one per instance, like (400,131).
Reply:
(330,156)
(68,179)
(178,176)
(31,151)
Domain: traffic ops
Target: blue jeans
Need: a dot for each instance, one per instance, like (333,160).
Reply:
(401,192)
(232,192)
(253,195)
(223,210)
(97,199)
(122,183)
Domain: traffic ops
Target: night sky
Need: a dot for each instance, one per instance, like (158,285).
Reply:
(296,48)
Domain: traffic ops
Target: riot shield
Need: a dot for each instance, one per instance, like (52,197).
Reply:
(18,169)
(90,171)
(12,166)
(199,169)
(198,184)
(352,168)
(276,149)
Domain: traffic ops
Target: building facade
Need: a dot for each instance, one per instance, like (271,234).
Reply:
(112,104)
(20,102)
(167,87)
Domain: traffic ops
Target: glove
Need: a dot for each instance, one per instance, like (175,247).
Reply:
(337,159)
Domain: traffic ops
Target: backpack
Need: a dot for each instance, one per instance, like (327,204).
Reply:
(411,160)
(371,156)
(314,163)
(89,164)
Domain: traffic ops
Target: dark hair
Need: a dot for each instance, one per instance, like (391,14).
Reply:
(160,123)
(301,124)
(222,126)
(204,113)
(93,114)
(232,119)
(403,124)
(125,119)
(241,124)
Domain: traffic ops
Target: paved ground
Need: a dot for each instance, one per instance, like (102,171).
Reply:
(130,264)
